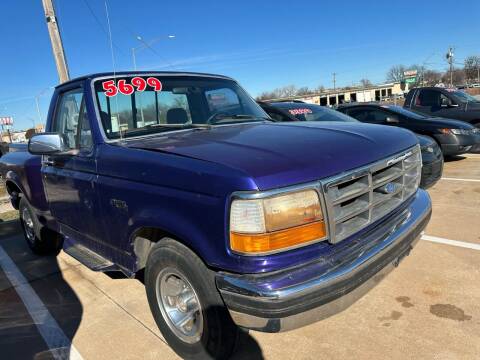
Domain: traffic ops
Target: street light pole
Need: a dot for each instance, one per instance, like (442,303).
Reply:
(38,111)
(143,46)
(134,59)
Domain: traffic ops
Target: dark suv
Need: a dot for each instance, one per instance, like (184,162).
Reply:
(444,102)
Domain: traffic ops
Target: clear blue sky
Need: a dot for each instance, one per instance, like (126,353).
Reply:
(263,44)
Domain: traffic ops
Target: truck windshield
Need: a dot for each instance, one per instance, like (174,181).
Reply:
(139,105)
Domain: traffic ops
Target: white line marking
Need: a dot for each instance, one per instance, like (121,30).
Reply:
(471,156)
(460,179)
(59,344)
(462,244)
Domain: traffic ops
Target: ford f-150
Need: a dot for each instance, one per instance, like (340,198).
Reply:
(234,220)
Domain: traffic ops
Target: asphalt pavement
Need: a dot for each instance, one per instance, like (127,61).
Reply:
(427,308)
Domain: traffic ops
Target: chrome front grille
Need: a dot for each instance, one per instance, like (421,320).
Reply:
(362,196)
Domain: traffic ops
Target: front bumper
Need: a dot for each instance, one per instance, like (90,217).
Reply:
(456,144)
(431,172)
(288,299)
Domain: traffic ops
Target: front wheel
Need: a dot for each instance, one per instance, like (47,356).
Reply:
(186,304)
(40,240)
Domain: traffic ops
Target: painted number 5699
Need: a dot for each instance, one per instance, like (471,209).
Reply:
(136,84)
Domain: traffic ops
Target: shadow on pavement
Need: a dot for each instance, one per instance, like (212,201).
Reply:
(453,158)
(19,336)
(247,348)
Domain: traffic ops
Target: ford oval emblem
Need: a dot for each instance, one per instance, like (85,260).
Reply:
(390,188)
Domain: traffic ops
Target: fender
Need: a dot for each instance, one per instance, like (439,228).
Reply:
(13,179)
(155,223)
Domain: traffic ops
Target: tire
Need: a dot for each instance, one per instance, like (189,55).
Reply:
(210,333)
(40,240)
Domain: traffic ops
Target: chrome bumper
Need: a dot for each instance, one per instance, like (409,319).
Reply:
(296,297)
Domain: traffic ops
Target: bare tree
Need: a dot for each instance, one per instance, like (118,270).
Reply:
(458,77)
(304,90)
(395,74)
(431,77)
(472,68)
(365,83)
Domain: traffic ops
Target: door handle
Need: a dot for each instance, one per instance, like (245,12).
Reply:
(48,162)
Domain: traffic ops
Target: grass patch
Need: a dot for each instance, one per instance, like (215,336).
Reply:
(9,215)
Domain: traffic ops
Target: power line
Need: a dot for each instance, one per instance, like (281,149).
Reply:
(155,52)
(102,27)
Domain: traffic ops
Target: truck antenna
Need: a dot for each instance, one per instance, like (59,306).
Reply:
(113,64)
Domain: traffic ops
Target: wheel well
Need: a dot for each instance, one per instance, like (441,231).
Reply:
(14,192)
(143,241)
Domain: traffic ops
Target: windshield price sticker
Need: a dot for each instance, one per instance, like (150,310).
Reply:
(136,84)
(300,111)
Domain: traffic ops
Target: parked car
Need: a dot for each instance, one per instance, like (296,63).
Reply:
(454,137)
(444,102)
(235,220)
(432,158)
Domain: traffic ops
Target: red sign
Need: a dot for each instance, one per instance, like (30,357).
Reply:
(138,83)
(6,120)
(300,111)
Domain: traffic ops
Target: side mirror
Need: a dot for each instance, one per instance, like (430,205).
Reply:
(47,144)
(447,103)
(392,120)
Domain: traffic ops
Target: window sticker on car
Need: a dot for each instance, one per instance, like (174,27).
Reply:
(300,111)
(136,84)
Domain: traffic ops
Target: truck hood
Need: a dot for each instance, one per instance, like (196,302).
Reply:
(282,154)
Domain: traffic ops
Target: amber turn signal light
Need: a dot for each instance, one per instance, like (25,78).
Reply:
(277,240)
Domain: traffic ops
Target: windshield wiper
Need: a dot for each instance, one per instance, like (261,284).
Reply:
(166,127)
(179,126)
(222,117)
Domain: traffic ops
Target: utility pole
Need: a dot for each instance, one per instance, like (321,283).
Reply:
(56,40)
(449,57)
(334,81)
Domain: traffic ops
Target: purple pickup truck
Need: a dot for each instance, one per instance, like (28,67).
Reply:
(233,220)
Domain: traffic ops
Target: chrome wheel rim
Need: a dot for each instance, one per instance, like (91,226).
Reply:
(179,305)
(28,225)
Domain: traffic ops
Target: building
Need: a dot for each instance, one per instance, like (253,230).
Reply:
(331,97)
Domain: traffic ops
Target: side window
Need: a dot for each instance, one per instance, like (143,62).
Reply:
(67,116)
(85,137)
(70,115)
(359,114)
(429,98)
(445,100)
(377,116)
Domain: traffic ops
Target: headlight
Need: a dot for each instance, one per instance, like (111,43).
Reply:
(428,148)
(460,131)
(260,226)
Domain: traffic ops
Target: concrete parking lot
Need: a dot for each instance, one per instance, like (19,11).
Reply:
(427,308)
